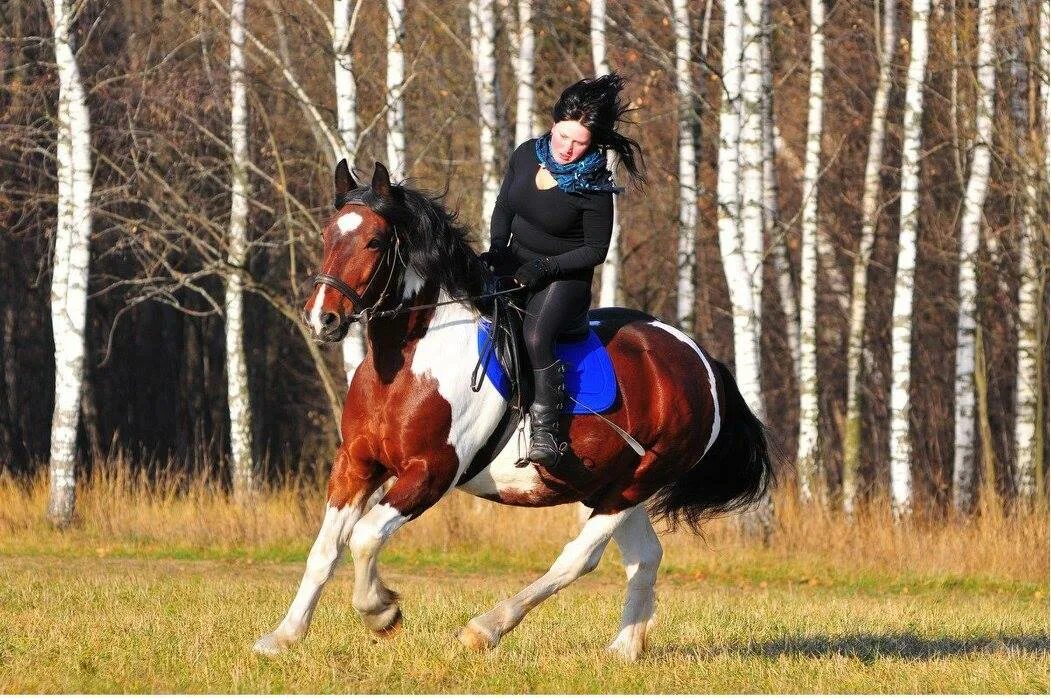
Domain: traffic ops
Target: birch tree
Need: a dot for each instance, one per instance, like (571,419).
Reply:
(525,95)
(970,234)
(483,51)
(901,331)
(344,21)
(69,281)
(750,150)
(687,235)
(776,233)
(609,277)
(870,207)
(240,413)
(395,87)
(730,224)
(1028,436)
(808,269)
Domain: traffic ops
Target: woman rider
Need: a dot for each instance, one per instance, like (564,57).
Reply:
(551,227)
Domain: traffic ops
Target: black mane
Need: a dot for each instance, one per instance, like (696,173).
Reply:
(433,242)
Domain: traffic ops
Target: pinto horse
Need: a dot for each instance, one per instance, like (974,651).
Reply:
(411,415)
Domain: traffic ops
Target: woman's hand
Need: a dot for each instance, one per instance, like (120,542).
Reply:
(532,274)
(495,260)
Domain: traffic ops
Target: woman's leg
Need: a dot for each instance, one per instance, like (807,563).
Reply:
(560,305)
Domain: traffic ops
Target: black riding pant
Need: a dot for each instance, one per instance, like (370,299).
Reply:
(559,307)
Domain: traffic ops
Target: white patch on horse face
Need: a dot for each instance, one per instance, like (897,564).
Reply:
(315,309)
(348,222)
(412,283)
(448,353)
(682,337)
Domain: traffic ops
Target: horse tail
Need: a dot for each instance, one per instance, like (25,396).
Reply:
(736,472)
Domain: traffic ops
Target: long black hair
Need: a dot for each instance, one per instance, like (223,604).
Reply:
(597,105)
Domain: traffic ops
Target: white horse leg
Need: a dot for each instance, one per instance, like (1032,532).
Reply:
(580,556)
(375,603)
(641,553)
(324,555)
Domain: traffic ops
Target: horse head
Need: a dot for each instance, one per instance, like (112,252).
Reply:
(359,259)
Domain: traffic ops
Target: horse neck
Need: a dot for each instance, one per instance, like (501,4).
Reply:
(395,343)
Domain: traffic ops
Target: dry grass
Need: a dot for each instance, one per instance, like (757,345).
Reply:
(119,511)
(173,583)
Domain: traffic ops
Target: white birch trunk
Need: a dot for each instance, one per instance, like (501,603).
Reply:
(483,49)
(525,96)
(751,154)
(242,474)
(686,261)
(343,24)
(69,282)
(1029,454)
(808,269)
(609,278)
(901,331)
(870,206)
(970,235)
(776,234)
(395,87)
(731,243)
(346,87)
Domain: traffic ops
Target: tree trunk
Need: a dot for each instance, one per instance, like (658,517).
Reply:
(809,471)
(609,278)
(343,21)
(870,208)
(970,234)
(483,49)
(242,474)
(1028,436)
(395,87)
(69,281)
(687,235)
(776,232)
(525,98)
(901,331)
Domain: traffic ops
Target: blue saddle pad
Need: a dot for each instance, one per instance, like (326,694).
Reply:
(589,372)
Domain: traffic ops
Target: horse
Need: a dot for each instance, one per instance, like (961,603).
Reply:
(398,260)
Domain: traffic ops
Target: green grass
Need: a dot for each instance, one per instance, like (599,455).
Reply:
(98,621)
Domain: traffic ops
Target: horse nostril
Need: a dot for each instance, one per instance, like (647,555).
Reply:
(329,319)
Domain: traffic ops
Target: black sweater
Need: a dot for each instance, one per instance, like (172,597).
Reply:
(573,229)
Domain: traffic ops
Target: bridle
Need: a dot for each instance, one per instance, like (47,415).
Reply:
(357,300)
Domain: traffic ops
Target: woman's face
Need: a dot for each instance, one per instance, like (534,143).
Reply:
(569,140)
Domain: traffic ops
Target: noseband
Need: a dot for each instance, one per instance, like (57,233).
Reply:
(357,300)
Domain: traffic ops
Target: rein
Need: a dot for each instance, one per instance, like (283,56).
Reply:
(370,313)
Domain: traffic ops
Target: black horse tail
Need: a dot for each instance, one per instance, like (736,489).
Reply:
(736,472)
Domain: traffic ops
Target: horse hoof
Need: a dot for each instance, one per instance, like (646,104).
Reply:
(625,652)
(392,628)
(269,646)
(474,639)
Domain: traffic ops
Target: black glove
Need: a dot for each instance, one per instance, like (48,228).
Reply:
(532,274)
(495,259)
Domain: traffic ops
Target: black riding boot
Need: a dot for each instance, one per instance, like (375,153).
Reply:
(545,446)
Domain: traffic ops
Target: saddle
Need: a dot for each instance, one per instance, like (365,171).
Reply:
(591,385)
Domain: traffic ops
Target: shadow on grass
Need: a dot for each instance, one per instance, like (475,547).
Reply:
(871,647)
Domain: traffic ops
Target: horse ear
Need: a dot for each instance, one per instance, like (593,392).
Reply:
(381,180)
(344,179)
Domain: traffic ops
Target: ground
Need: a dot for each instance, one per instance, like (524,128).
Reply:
(141,618)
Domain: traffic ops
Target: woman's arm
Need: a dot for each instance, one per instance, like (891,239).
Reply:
(500,225)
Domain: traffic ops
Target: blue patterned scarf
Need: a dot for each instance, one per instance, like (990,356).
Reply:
(589,173)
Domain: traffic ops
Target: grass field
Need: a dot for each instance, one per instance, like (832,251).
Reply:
(165,589)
